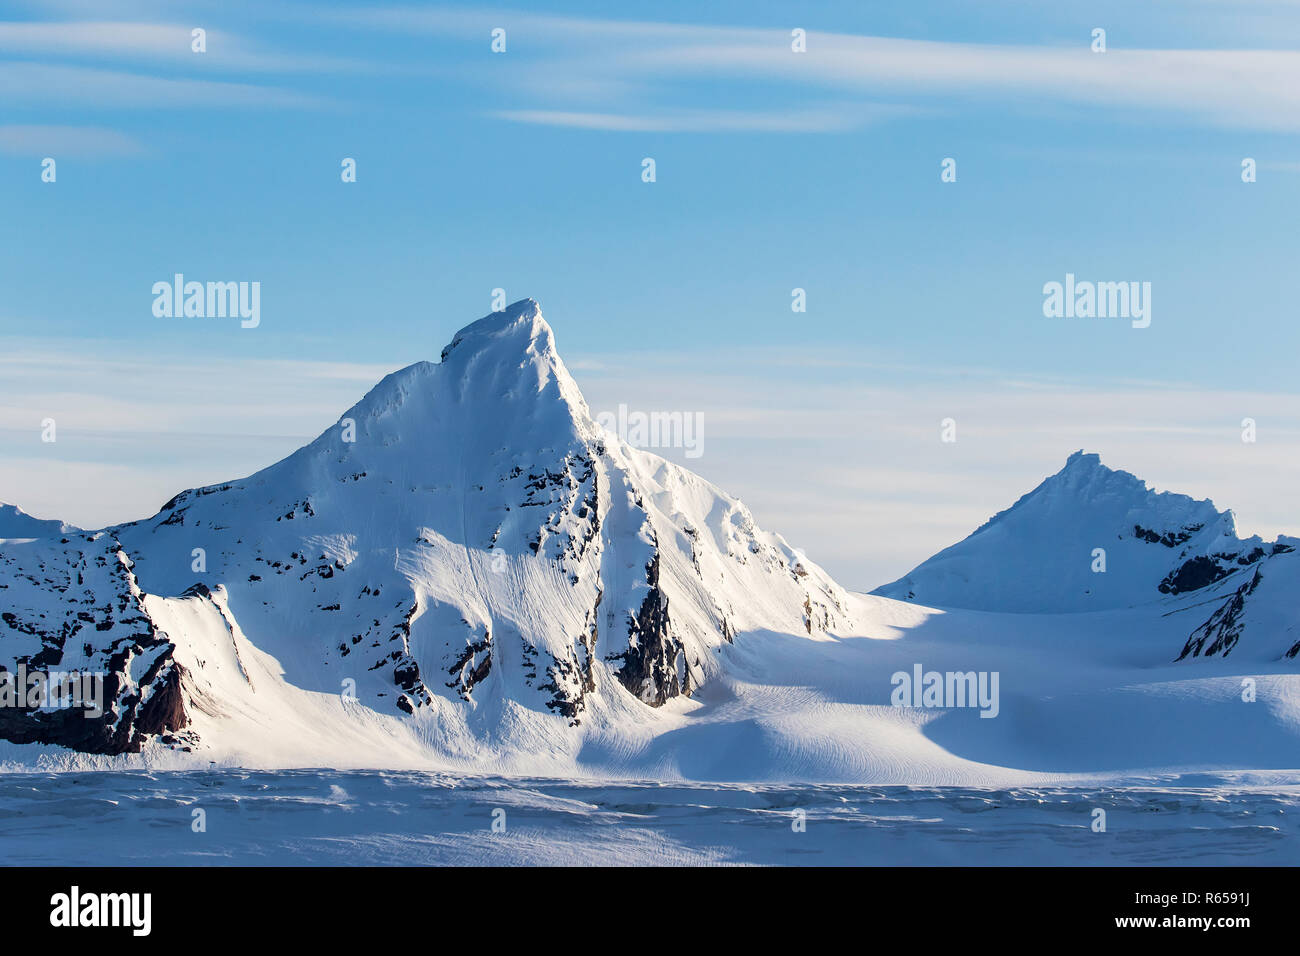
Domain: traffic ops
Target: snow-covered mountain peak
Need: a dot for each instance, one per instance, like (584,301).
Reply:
(1083,461)
(1084,474)
(516,338)
(1088,537)
(500,384)
(465,547)
(518,327)
(1087,489)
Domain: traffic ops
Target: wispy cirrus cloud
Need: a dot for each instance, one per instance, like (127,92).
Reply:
(66,141)
(49,85)
(164,43)
(821,120)
(647,76)
(571,61)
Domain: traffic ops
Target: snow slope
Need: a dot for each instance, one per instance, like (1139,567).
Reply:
(466,573)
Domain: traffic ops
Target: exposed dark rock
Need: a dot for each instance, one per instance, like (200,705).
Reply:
(1192,575)
(126,669)
(572,679)
(649,665)
(1221,632)
(1170,539)
(469,669)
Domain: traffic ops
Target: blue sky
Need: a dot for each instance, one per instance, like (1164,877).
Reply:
(774,170)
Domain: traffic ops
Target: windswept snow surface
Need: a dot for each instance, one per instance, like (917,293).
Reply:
(467,575)
(341,818)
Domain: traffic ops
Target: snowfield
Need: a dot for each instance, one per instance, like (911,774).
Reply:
(338,818)
(467,576)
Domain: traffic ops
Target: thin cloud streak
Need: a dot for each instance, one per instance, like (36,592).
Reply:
(82,141)
(50,86)
(1257,89)
(160,43)
(705,121)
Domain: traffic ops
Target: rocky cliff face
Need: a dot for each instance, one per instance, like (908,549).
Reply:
(87,667)
(1253,614)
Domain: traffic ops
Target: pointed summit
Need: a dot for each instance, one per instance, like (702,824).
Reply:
(1083,462)
(500,383)
(511,355)
(518,326)
(1085,483)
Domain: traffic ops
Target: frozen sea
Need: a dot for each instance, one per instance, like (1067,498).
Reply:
(341,818)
